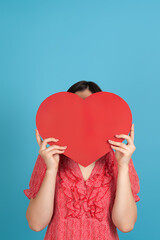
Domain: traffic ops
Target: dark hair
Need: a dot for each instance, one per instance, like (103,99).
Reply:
(82,85)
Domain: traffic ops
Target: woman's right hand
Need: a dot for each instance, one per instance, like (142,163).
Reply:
(50,154)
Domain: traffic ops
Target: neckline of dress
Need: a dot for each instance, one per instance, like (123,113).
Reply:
(76,168)
(92,172)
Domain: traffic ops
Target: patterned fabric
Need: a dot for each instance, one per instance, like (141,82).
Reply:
(82,209)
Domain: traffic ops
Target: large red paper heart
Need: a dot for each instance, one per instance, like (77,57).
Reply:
(84,125)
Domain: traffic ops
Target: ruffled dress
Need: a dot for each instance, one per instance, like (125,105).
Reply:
(82,209)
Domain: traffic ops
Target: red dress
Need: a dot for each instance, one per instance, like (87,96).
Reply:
(82,209)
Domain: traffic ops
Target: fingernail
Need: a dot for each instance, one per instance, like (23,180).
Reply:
(57,139)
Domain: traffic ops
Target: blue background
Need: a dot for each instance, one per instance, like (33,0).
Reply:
(46,46)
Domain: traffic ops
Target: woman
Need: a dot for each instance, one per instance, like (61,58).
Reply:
(79,202)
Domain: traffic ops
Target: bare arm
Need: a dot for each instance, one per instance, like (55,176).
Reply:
(40,209)
(124,212)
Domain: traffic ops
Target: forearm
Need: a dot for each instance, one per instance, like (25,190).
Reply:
(40,209)
(124,211)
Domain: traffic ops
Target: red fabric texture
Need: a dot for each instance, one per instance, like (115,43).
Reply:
(82,209)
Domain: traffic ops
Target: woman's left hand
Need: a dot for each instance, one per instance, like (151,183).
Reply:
(124,151)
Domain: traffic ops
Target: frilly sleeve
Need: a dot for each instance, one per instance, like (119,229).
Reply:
(134,179)
(36,178)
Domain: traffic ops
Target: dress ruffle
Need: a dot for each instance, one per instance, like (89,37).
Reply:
(86,196)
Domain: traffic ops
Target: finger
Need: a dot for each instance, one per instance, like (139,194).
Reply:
(55,151)
(128,138)
(39,141)
(45,142)
(119,149)
(50,148)
(120,144)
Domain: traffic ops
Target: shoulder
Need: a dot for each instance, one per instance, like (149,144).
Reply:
(110,158)
(111,163)
(40,162)
(39,167)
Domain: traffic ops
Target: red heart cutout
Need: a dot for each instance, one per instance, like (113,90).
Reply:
(84,125)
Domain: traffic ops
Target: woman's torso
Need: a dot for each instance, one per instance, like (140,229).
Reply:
(83,201)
